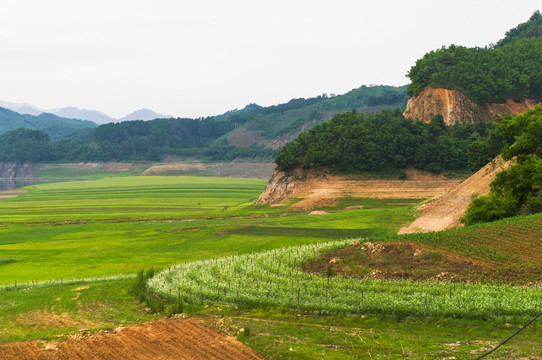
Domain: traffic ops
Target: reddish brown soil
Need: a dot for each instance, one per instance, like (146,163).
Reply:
(455,106)
(166,339)
(160,169)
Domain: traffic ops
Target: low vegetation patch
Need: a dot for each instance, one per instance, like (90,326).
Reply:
(508,251)
(511,248)
(275,279)
(395,261)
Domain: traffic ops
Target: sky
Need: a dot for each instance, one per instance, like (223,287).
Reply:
(201,58)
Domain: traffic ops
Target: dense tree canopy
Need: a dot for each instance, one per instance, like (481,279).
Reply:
(362,141)
(25,145)
(128,141)
(512,69)
(530,29)
(151,139)
(516,190)
(75,140)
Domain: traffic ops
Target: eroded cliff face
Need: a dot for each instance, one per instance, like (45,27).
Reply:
(280,186)
(15,171)
(311,189)
(455,106)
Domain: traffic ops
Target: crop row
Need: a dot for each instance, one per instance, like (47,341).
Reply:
(275,278)
(515,241)
(15,286)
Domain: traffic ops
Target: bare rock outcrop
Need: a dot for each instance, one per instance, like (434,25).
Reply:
(16,171)
(280,186)
(455,106)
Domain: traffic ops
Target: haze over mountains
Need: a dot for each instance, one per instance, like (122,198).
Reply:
(72,112)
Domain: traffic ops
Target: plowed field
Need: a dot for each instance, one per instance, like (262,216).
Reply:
(173,339)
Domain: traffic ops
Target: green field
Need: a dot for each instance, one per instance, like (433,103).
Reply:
(73,233)
(119,225)
(88,171)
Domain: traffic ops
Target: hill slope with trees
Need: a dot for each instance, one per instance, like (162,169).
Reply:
(361,141)
(203,138)
(516,190)
(54,126)
(510,69)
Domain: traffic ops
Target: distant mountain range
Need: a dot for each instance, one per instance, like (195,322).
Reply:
(144,114)
(71,112)
(55,126)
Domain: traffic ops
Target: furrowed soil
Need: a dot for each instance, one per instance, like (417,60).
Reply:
(166,339)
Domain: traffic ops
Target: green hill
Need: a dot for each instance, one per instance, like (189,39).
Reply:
(273,126)
(252,132)
(56,127)
(511,69)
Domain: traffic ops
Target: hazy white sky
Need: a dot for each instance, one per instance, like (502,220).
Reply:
(199,58)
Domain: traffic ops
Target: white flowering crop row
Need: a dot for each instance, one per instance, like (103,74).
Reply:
(274,278)
(50,283)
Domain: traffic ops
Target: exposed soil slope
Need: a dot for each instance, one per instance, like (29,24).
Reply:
(174,339)
(257,170)
(456,106)
(445,211)
(319,190)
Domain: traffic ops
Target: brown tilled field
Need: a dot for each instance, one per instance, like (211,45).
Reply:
(166,339)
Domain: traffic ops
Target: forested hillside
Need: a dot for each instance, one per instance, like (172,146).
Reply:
(362,141)
(56,127)
(517,190)
(302,114)
(203,138)
(510,69)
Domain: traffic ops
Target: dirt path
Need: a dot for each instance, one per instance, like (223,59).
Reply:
(445,211)
(166,339)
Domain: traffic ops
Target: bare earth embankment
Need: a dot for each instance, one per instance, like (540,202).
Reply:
(445,211)
(231,169)
(318,190)
(167,339)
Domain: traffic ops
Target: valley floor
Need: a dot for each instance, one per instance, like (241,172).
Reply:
(119,225)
